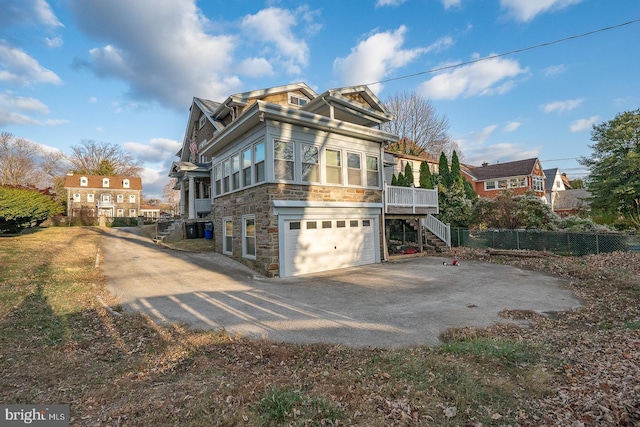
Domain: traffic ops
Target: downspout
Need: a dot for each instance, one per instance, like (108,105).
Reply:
(385,250)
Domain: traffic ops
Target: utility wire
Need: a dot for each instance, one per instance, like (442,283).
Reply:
(486,58)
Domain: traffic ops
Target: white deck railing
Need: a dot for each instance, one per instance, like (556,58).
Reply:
(438,228)
(410,197)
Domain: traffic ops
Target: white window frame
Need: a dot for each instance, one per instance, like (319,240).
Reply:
(350,169)
(313,165)
(286,162)
(132,198)
(84,181)
(537,183)
(105,182)
(372,171)
(132,213)
(245,237)
(90,197)
(125,183)
(246,166)
(235,172)
(202,121)
(259,165)
(120,198)
(77,197)
(225,244)
(490,185)
(217,176)
(340,166)
(298,100)
(120,213)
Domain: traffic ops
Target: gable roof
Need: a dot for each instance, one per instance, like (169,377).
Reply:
(551,178)
(95,181)
(501,170)
(354,104)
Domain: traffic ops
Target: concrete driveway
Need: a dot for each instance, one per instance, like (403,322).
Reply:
(396,304)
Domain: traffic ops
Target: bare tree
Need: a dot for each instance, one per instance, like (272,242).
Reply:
(417,124)
(19,161)
(102,158)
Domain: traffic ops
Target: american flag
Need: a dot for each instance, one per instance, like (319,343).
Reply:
(193,147)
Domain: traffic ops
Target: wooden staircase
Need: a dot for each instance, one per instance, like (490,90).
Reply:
(430,240)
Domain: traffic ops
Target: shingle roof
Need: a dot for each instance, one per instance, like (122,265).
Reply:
(551,175)
(95,181)
(502,170)
(571,199)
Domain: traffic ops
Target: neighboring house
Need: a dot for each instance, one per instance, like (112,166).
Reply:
(292,180)
(553,184)
(150,212)
(518,177)
(396,162)
(103,196)
(571,202)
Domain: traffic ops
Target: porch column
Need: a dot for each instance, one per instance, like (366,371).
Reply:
(192,198)
(183,195)
(201,189)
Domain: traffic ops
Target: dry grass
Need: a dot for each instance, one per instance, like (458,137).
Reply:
(59,345)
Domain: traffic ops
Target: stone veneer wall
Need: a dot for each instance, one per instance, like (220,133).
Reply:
(258,201)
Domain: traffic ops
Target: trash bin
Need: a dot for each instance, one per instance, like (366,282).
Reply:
(191,230)
(208,230)
(200,230)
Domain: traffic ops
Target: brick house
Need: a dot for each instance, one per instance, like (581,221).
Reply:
(292,180)
(103,196)
(518,177)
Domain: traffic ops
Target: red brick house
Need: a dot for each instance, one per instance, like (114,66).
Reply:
(518,177)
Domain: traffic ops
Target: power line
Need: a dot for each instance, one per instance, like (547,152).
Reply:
(486,58)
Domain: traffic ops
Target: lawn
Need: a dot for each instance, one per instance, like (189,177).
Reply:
(64,341)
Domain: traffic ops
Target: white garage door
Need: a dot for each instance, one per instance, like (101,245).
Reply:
(313,245)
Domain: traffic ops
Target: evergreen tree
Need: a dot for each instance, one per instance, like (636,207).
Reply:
(426,180)
(443,171)
(408,175)
(394,180)
(455,175)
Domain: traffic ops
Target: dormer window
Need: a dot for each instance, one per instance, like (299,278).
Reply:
(84,181)
(202,121)
(125,183)
(105,182)
(297,100)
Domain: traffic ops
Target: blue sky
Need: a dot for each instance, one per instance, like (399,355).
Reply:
(125,72)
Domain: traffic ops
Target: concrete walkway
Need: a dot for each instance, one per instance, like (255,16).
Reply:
(396,304)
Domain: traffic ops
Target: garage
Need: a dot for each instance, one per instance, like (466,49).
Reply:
(319,244)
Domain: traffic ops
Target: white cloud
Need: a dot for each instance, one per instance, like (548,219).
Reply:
(488,77)
(19,68)
(526,10)
(554,70)
(583,124)
(21,103)
(19,110)
(511,126)
(28,11)
(53,42)
(448,4)
(289,50)
(160,48)
(377,56)
(381,3)
(93,99)
(157,150)
(255,67)
(561,106)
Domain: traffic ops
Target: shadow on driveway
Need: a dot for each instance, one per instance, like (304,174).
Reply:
(396,304)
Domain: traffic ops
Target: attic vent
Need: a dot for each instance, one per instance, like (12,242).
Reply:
(297,100)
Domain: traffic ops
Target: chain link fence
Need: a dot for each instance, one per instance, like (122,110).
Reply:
(558,242)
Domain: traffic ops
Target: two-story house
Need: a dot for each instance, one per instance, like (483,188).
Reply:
(518,177)
(291,179)
(103,196)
